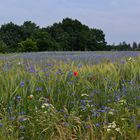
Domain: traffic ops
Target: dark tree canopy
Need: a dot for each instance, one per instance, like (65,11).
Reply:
(11,34)
(68,35)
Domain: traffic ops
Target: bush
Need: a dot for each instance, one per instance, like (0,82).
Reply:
(27,46)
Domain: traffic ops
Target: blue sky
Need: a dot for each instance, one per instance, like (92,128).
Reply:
(119,19)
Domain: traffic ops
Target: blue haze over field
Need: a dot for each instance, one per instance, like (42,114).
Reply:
(119,19)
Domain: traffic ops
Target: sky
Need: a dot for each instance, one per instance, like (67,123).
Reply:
(119,19)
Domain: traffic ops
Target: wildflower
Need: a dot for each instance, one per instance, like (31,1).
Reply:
(21,84)
(66,124)
(19,63)
(75,73)
(130,58)
(48,99)
(69,74)
(111,113)
(123,61)
(22,127)
(118,129)
(108,130)
(18,98)
(84,95)
(66,115)
(39,89)
(49,65)
(22,119)
(30,97)
(1,125)
(101,110)
(12,118)
(123,119)
(138,126)
(79,65)
(47,105)
(87,126)
(22,113)
(112,125)
(97,124)
(32,69)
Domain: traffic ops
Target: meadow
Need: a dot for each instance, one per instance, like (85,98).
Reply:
(70,96)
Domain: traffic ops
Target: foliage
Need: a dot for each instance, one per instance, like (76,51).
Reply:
(44,41)
(27,46)
(3,47)
(11,34)
(69,35)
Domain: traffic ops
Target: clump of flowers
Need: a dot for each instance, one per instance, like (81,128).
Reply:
(75,73)
(47,105)
(122,102)
(112,126)
(30,97)
(130,60)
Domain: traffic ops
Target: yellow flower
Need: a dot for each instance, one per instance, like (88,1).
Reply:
(30,97)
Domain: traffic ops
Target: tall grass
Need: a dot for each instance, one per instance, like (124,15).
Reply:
(46,101)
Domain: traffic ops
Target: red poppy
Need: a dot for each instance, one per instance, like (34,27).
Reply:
(75,73)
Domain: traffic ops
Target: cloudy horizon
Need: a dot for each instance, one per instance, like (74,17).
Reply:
(118,19)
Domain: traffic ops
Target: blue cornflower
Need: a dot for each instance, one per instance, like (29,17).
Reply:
(22,84)
(18,98)
(39,89)
(138,126)
(87,126)
(22,127)
(23,119)
(101,110)
(12,118)
(69,74)
(62,110)
(49,65)
(95,114)
(22,113)
(1,125)
(97,124)
(32,69)
(66,115)
(66,124)
(79,65)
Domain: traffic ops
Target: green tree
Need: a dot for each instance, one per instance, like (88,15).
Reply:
(27,46)
(44,41)
(11,34)
(73,35)
(28,29)
(135,46)
(68,35)
(3,47)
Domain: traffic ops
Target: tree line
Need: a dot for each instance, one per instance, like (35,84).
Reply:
(68,35)
(123,46)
